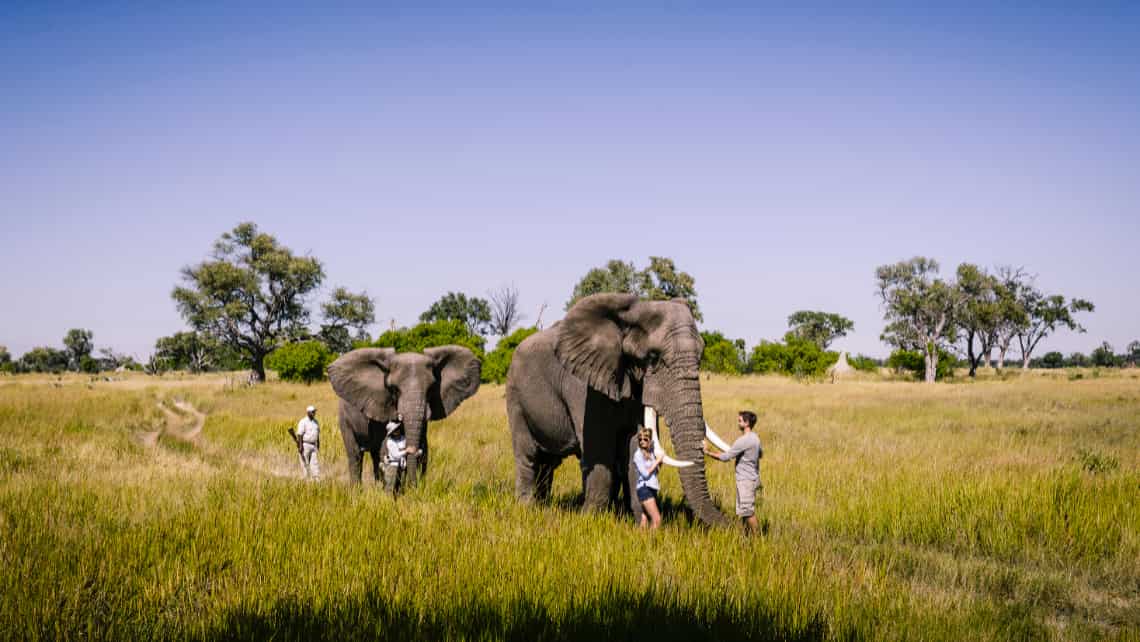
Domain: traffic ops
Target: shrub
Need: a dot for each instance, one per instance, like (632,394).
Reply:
(864,363)
(914,362)
(1053,360)
(303,362)
(721,354)
(498,361)
(88,365)
(431,335)
(796,356)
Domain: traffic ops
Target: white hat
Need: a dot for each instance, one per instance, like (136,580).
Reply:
(311,409)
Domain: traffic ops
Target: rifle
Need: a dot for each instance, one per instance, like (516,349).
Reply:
(300,451)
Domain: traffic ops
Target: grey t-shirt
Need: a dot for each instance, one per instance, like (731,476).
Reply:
(746,450)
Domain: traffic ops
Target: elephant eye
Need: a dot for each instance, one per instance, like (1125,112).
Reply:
(653,357)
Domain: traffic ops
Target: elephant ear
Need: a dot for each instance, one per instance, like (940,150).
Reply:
(604,342)
(360,378)
(458,371)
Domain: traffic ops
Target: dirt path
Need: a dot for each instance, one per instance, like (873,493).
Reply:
(186,428)
(199,419)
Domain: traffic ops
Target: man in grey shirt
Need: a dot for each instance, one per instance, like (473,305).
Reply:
(746,451)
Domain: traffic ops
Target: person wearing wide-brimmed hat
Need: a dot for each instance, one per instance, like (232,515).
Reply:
(396,453)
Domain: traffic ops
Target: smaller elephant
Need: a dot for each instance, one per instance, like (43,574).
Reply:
(375,385)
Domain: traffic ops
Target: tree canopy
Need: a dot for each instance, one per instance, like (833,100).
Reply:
(79,344)
(723,355)
(498,361)
(194,352)
(920,308)
(821,328)
(659,281)
(345,313)
(251,295)
(474,312)
(1044,314)
(430,335)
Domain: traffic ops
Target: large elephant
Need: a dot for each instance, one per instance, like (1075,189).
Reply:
(377,384)
(579,387)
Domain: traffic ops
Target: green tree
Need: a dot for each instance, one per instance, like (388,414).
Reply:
(914,361)
(721,354)
(616,276)
(431,335)
(920,309)
(1053,360)
(473,312)
(43,359)
(1133,353)
(820,327)
(301,362)
(1045,314)
(980,313)
(194,352)
(498,362)
(79,343)
(344,313)
(251,296)
(1009,285)
(1077,360)
(864,363)
(6,364)
(796,356)
(1104,356)
(660,281)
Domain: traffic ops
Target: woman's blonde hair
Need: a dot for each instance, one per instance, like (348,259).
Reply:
(644,433)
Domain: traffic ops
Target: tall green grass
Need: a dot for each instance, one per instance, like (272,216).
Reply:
(893,511)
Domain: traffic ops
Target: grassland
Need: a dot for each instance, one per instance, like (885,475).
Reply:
(994,510)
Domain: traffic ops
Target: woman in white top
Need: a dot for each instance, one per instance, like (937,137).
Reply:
(647,463)
(396,453)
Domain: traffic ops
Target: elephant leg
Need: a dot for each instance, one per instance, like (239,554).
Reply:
(600,451)
(355,456)
(597,480)
(527,455)
(376,474)
(544,468)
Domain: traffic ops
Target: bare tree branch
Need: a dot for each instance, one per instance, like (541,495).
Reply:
(505,313)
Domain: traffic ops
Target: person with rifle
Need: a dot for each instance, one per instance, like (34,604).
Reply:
(308,438)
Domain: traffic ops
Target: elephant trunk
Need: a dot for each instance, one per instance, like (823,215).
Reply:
(685,414)
(415,412)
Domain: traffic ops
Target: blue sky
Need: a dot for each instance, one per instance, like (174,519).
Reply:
(777,155)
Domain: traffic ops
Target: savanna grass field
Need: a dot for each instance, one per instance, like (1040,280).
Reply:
(173,508)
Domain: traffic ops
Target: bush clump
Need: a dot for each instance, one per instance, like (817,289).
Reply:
(914,362)
(430,335)
(723,355)
(302,362)
(498,361)
(863,363)
(796,356)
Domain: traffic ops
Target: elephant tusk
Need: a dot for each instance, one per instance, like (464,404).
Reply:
(715,438)
(651,423)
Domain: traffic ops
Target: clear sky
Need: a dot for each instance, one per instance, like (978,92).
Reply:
(779,156)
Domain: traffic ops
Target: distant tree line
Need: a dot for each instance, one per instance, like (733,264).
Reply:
(974,315)
(1103,356)
(76,355)
(248,306)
